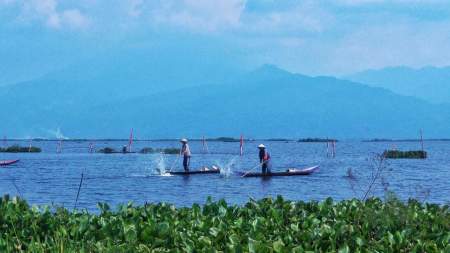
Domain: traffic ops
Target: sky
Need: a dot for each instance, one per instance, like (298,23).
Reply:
(315,37)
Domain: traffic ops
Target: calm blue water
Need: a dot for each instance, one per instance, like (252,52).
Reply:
(53,178)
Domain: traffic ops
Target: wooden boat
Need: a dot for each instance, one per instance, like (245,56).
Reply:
(8,162)
(213,170)
(288,172)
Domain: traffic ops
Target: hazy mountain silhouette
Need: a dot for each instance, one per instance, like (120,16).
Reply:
(266,102)
(429,83)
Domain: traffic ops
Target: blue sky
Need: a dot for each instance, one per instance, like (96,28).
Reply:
(333,37)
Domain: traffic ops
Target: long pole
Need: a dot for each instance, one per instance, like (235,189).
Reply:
(421,139)
(130,141)
(241,146)
(175,161)
(29,148)
(245,174)
(205,145)
(78,193)
(91,147)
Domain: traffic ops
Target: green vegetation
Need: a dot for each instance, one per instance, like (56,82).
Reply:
(172,151)
(268,225)
(395,154)
(317,140)
(19,149)
(107,150)
(225,139)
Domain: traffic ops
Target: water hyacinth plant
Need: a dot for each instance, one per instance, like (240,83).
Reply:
(107,150)
(170,151)
(395,154)
(267,225)
(19,149)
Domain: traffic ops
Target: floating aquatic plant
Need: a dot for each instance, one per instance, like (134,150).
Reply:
(19,149)
(170,151)
(107,150)
(267,225)
(396,154)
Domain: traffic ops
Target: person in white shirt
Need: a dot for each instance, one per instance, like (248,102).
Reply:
(186,152)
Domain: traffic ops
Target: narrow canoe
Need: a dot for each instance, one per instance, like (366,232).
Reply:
(195,172)
(287,173)
(8,162)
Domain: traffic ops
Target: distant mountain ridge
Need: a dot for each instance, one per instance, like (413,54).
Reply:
(265,103)
(428,83)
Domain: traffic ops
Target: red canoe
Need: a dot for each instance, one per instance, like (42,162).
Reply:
(8,162)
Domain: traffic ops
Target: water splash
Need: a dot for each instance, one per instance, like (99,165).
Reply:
(159,165)
(227,169)
(57,134)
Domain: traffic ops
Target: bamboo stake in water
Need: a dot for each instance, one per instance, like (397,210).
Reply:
(78,193)
(421,139)
(15,186)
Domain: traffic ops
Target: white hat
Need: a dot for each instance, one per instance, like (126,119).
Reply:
(261,146)
(183,140)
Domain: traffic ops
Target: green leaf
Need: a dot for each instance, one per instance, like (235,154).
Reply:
(278,246)
(344,249)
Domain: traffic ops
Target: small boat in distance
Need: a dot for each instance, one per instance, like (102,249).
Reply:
(8,162)
(213,170)
(288,172)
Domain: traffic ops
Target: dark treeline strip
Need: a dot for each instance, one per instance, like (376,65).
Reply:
(317,140)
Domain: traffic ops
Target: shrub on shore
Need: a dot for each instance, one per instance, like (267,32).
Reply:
(267,225)
(19,149)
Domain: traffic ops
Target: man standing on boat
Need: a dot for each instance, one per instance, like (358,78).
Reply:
(186,152)
(264,159)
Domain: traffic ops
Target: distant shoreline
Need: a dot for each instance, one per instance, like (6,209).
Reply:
(221,139)
(405,140)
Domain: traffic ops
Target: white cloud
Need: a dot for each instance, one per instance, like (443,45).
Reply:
(198,15)
(365,2)
(135,7)
(5,2)
(49,13)
(312,36)
(74,18)
(305,16)
(392,45)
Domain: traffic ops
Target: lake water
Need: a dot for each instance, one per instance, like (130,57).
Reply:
(53,178)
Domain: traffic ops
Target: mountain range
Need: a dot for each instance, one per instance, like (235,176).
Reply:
(196,97)
(429,83)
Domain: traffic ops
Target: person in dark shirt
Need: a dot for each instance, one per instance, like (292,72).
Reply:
(264,159)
